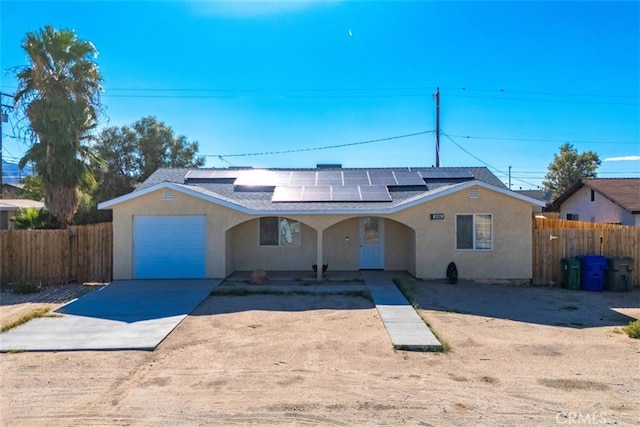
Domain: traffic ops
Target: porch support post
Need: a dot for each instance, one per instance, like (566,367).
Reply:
(319,256)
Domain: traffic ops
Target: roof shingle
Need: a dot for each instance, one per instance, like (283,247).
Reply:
(262,200)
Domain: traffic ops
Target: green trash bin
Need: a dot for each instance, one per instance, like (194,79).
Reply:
(571,276)
(619,274)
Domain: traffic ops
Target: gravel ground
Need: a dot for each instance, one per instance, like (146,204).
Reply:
(519,356)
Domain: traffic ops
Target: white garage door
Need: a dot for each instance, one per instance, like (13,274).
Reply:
(169,247)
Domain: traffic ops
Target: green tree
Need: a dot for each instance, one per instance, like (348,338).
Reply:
(59,94)
(33,188)
(569,166)
(130,154)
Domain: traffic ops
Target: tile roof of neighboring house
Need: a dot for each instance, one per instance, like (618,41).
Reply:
(19,186)
(227,186)
(15,204)
(544,196)
(624,192)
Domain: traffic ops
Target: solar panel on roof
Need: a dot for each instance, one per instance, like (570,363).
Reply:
(356,177)
(303,178)
(287,194)
(199,174)
(281,177)
(434,174)
(459,174)
(329,177)
(261,177)
(445,174)
(211,175)
(382,177)
(226,173)
(331,193)
(408,178)
(344,193)
(319,193)
(375,193)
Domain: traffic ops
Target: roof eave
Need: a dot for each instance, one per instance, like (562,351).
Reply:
(608,197)
(376,211)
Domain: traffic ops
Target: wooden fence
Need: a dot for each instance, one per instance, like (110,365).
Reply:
(85,254)
(79,253)
(555,239)
(565,223)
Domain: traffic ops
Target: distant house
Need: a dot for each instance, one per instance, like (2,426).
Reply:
(12,191)
(542,195)
(606,200)
(10,207)
(208,223)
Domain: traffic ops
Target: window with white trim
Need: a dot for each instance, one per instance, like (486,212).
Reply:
(474,232)
(278,231)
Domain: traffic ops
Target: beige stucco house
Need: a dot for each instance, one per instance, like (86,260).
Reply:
(209,223)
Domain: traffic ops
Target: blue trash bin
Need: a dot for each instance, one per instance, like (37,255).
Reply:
(592,272)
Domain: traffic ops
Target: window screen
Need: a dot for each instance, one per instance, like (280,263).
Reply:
(275,231)
(474,232)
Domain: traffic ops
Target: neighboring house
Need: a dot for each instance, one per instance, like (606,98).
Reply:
(606,200)
(10,207)
(541,195)
(208,223)
(12,191)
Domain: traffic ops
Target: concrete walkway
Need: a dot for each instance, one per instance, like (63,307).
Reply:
(405,327)
(124,315)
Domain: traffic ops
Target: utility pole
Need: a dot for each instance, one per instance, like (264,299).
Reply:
(3,119)
(509,177)
(436,96)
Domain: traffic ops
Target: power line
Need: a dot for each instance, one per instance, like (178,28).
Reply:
(274,96)
(584,95)
(562,141)
(354,96)
(560,101)
(370,92)
(482,161)
(426,89)
(325,147)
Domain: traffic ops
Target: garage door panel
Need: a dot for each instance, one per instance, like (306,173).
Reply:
(169,247)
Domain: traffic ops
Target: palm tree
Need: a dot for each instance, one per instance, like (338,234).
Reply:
(31,219)
(59,93)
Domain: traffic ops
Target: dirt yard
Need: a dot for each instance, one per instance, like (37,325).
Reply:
(519,356)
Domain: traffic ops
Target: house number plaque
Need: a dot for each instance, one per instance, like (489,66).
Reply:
(437,216)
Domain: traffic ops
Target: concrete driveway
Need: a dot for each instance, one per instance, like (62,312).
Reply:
(124,315)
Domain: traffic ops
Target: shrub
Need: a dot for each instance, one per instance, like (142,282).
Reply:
(33,219)
(633,329)
(27,287)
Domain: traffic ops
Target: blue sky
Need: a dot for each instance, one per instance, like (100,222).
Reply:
(517,79)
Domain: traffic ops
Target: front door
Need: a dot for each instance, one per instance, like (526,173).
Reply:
(372,243)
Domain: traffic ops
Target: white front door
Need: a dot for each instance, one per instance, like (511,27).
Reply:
(372,243)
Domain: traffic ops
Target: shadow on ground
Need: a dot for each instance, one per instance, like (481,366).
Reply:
(539,305)
(284,303)
(133,301)
(52,294)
